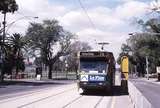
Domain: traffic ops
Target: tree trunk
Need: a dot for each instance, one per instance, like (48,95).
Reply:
(17,72)
(2,76)
(50,71)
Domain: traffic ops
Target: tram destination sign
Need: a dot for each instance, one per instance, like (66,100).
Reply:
(96,78)
(93,54)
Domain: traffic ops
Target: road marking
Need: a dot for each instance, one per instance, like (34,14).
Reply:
(113,102)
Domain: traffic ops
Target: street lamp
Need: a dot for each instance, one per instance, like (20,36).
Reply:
(24,17)
(145,33)
(66,66)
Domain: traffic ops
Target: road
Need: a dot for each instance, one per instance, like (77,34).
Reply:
(24,86)
(151,90)
(65,96)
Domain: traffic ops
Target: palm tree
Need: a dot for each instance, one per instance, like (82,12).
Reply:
(7,6)
(17,44)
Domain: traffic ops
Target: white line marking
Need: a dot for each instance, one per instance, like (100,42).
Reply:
(113,102)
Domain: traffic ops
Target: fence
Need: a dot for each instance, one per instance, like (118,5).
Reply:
(55,75)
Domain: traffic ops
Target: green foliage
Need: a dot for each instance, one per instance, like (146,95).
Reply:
(43,36)
(125,49)
(8,6)
(73,51)
(14,55)
(146,44)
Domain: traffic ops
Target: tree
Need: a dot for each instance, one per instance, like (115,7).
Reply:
(142,45)
(146,43)
(65,43)
(17,44)
(6,6)
(44,36)
(74,48)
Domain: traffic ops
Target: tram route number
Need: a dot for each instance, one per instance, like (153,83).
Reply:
(96,78)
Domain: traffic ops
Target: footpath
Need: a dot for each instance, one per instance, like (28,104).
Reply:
(144,93)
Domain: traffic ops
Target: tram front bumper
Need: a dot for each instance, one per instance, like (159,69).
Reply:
(94,85)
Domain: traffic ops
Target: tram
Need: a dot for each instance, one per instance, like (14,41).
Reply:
(96,70)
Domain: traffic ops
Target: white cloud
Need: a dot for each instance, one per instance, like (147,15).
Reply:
(41,8)
(130,10)
(112,24)
(94,36)
(124,0)
(33,8)
(74,21)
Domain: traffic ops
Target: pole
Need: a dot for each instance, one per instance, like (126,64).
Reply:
(4,28)
(147,67)
(135,67)
(2,46)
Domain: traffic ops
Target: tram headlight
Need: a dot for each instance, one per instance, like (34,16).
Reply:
(100,83)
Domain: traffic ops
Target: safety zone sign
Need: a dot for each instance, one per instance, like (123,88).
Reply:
(125,64)
(124,67)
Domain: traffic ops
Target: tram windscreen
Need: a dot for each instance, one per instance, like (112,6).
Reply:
(93,66)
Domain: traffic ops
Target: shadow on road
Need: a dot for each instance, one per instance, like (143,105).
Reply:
(27,83)
(117,91)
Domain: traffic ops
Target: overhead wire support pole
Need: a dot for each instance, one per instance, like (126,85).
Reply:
(103,44)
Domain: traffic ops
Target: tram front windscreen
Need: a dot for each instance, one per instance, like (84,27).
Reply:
(93,66)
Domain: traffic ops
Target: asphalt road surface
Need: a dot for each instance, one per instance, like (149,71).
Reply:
(65,96)
(19,87)
(150,90)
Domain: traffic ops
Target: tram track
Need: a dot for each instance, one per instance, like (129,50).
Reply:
(22,94)
(72,101)
(14,97)
(42,99)
(77,98)
(99,101)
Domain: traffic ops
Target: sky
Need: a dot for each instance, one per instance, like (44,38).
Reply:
(112,20)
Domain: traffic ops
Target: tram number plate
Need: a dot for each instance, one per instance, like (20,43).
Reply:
(96,78)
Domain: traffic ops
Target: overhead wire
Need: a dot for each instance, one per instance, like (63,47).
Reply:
(85,11)
(89,18)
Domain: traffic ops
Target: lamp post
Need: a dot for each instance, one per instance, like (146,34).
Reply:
(145,33)
(66,66)
(147,69)
(21,18)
